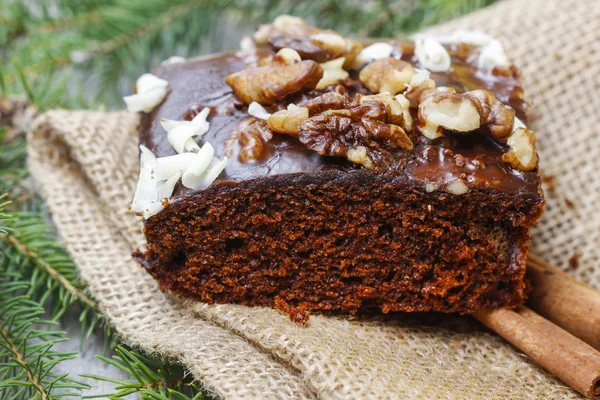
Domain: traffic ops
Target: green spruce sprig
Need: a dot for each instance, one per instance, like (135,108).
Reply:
(27,355)
(150,378)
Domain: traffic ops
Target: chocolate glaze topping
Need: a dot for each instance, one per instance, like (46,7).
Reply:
(475,158)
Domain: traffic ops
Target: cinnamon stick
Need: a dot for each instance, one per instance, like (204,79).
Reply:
(562,299)
(571,360)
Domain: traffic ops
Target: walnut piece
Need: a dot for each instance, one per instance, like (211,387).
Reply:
(420,82)
(333,72)
(464,112)
(521,153)
(497,116)
(328,101)
(363,134)
(288,121)
(452,111)
(397,108)
(311,43)
(387,75)
(269,83)
(252,136)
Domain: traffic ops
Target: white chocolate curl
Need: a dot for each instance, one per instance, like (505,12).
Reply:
(373,52)
(173,60)
(492,55)
(204,169)
(158,177)
(181,134)
(258,111)
(151,91)
(432,55)
(472,38)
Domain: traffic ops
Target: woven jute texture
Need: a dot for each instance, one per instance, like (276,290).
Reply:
(86,166)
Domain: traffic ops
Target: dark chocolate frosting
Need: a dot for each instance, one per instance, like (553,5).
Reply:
(475,158)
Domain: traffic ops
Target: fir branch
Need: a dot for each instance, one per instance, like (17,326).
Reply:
(151,378)
(26,352)
(26,355)
(40,259)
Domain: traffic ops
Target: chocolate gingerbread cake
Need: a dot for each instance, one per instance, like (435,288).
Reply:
(309,171)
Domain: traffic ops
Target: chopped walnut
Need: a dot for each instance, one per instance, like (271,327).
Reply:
(457,187)
(328,101)
(452,111)
(397,109)
(332,73)
(387,75)
(521,153)
(252,136)
(418,83)
(269,83)
(497,116)
(353,49)
(331,41)
(362,134)
(464,113)
(311,43)
(288,121)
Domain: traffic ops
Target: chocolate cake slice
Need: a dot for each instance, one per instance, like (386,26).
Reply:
(396,176)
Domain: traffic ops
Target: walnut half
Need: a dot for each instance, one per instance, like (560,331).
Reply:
(280,77)
(464,112)
(445,110)
(288,121)
(387,75)
(362,134)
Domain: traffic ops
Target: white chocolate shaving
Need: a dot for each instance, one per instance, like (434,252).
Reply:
(158,177)
(145,199)
(432,55)
(258,111)
(181,133)
(204,169)
(151,91)
(473,38)
(166,167)
(373,52)
(173,60)
(148,82)
(247,44)
(165,188)
(492,55)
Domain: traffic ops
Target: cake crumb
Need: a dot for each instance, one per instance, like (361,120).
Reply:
(550,181)
(574,261)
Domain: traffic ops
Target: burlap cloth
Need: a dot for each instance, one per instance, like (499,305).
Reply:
(86,166)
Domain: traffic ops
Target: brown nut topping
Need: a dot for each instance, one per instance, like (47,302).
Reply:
(496,116)
(464,113)
(361,134)
(396,108)
(288,121)
(332,73)
(452,111)
(521,153)
(387,75)
(311,43)
(328,101)
(353,49)
(252,135)
(418,84)
(270,83)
